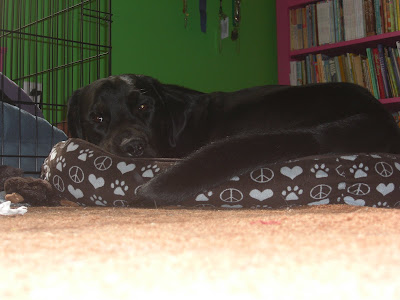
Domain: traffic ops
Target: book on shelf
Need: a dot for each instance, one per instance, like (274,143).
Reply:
(372,73)
(370,22)
(378,70)
(332,21)
(384,70)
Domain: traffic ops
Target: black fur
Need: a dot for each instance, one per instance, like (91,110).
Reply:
(225,134)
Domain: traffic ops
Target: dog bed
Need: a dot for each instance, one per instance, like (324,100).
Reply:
(89,176)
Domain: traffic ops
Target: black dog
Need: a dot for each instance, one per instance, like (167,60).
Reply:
(225,134)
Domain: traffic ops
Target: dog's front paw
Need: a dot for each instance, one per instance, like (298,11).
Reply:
(160,191)
(146,196)
(172,187)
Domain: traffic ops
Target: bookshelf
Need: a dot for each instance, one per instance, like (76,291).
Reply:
(286,55)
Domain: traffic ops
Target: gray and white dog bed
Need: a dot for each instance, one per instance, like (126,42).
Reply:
(85,174)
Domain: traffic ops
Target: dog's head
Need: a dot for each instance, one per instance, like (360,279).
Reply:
(129,115)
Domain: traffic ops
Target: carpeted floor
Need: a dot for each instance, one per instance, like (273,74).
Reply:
(327,252)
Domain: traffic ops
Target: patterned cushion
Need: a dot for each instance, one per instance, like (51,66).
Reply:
(88,175)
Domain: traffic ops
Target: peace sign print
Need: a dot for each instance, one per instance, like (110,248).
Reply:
(262,175)
(359,189)
(137,189)
(383,169)
(76,174)
(120,203)
(339,170)
(321,191)
(231,195)
(103,163)
(58,183)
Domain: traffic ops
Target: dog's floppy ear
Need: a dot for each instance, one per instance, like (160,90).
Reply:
(177,101)
(74,122)
(178,114)
(174,107)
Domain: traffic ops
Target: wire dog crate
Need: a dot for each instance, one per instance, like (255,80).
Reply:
(48,49)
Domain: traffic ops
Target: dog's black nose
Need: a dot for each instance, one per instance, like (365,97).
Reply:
(133,147)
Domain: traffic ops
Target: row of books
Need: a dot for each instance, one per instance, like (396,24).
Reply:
(333,21)
(378,70)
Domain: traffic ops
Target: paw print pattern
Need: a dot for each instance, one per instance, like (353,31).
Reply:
(291,194)
(60,163)
(84,154)
(359,171)
(340,198)
(119,187)
(320,171)
(204,196)
(149,171)
(98,200)
(381,204)
(260,207)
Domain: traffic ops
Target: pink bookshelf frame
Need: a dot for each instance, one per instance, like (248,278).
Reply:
(283,39)
(353,45)
(356,46)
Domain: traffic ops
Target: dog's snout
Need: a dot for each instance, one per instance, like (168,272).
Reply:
(133,147)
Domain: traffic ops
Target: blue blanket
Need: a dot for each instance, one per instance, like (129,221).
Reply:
(25,140)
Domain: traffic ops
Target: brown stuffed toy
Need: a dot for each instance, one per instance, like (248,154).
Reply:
(8,172)
(33,191)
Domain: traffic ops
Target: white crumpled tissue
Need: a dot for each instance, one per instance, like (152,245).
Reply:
(6,210)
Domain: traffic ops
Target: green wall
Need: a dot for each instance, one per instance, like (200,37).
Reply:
(60,66)
(149,37)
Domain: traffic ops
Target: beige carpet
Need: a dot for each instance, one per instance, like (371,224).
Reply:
(329,252)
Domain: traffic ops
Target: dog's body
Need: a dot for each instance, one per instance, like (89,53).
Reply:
(225,134)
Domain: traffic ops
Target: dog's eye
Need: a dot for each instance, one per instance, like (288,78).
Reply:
(142,107)
(97,118)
